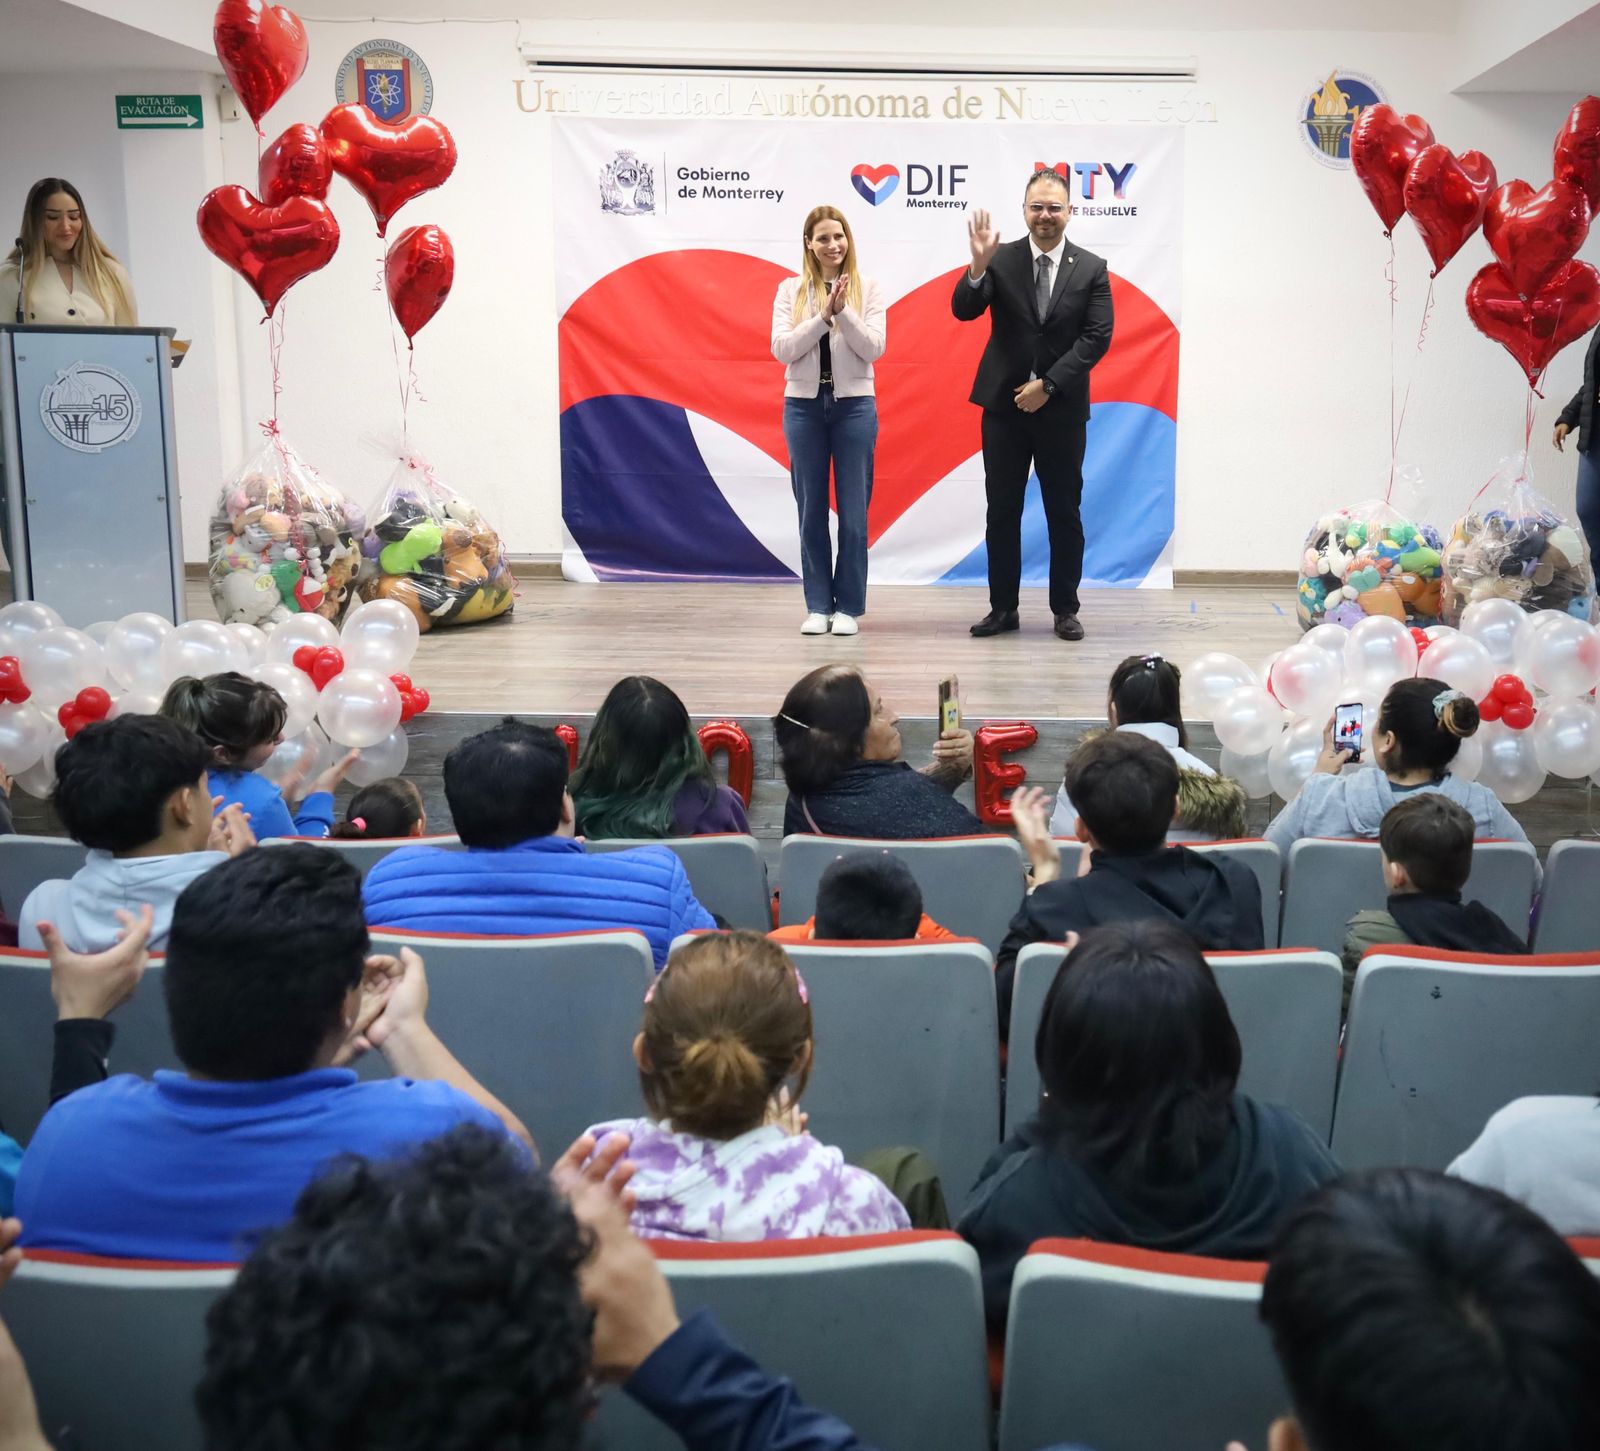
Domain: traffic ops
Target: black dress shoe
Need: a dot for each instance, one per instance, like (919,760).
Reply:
(1068,628)
(996,622)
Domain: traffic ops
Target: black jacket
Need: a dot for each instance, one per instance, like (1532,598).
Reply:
(1579,413)
(888,800)
(1073,337)
(1213,898)
(1033,1188)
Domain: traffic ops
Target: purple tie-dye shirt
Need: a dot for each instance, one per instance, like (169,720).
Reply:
(766,1184)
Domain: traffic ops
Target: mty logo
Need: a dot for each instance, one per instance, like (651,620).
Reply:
(1087,171)
(875,183)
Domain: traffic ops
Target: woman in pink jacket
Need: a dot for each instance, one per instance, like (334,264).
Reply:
(828,327)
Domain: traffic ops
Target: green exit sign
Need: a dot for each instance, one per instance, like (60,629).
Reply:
(158,113)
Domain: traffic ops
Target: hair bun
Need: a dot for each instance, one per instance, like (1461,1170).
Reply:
(1460,717)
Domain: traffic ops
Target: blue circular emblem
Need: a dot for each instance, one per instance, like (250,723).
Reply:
(1328,112)
(391,80)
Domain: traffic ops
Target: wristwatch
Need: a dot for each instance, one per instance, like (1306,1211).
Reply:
(1049,388)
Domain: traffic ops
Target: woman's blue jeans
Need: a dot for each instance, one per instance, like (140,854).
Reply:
(842,432)
(1589,495)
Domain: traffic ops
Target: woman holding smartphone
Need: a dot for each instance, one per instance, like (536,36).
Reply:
(828,327)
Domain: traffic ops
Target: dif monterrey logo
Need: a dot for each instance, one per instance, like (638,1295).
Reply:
(941,185)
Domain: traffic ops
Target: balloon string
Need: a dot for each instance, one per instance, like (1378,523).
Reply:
(275,328)
(1399,427)
(1390,277)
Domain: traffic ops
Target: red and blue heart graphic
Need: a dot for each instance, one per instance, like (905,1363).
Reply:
(875,183)
(686,333)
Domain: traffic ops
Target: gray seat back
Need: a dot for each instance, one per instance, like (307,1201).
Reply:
(1437,1042)
(971,885)
(1266,862)
(25,861)
(1569,906)
(1126,1350)
(546,1024)
(728,874)
(1327,882)
(364,855)
(1284,1004)
(884,1331)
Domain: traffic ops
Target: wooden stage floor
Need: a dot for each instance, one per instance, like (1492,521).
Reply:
(735,648)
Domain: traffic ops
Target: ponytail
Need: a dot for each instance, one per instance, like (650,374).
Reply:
(387,808)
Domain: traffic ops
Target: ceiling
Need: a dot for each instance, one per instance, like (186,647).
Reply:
(44,37)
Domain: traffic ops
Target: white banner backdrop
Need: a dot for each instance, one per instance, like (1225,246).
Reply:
(672,239)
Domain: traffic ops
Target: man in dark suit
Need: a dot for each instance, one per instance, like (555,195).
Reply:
(1579,415)
(1049,306)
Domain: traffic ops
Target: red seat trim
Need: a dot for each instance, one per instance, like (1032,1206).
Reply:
(789,1249)
(504,936)
(1487,959)
(109,1262)
(1194,1267)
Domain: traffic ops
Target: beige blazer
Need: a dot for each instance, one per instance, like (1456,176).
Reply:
(855,341)
(50,302)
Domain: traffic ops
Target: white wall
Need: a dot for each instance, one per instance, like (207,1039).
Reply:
(1284,399)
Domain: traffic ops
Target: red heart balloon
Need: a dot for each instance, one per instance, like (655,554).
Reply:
(1383,144)
(1577,150)
(93,702)
(296,164)
(1535,233)
(303,657)
(263,50)
(327,664)
(1445,196)
(419,268)
(272,248)
(388,164)
(1534,330)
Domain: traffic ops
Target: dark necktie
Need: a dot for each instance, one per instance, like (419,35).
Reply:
(1041,286)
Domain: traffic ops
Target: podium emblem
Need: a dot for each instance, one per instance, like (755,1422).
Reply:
(90,407)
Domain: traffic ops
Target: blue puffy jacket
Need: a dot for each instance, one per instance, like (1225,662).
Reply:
(548,884)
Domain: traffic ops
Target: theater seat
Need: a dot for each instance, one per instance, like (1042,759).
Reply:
(363,855)
(885,1331)
(114,1347)
(1438,1042)
(25,861)
(27,1037)
(1266,862)
(1327,881)
(727,872)
(1284,1004)
(1569,906)
(907,1052)
(971,885)
(545,1023)
(1128,1350)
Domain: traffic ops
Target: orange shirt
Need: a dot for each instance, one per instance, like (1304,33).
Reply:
(927,931)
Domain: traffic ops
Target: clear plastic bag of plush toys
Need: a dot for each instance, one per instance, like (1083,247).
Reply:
(283,541)
(433,551)
(1367,560)
(1512,544)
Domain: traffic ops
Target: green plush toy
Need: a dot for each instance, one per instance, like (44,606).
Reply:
(405,556)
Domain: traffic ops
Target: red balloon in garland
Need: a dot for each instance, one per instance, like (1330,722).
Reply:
(1445,196)
(388,165)
(1533,330)
(296,164)
(272,248)
(1383,144)
(263,50)
(1577,150)
(418,270)
(1535,233)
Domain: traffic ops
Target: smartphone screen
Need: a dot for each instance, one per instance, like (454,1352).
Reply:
(1347,724)
(949,704)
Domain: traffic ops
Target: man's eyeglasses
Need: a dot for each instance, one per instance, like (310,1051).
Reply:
(1040,209)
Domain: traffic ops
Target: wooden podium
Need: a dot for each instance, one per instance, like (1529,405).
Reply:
(90,470)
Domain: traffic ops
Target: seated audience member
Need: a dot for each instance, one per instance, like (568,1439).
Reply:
(1125,790)
(1419,730)
(643,771)
(1145,698)
(1426,842)
(241,722)
(87,988)
(1142,1137)
(134,791)
(1412,1312)
(724,1055)
(866,896)
(503,1302)
(270,990)
(1543,1151)
(839,747)
(525,871)
(383,811)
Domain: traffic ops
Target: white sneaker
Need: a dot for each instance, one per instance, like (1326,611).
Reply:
(844,625)
(815,624)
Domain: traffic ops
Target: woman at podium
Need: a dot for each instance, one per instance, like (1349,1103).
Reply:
(60,272)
